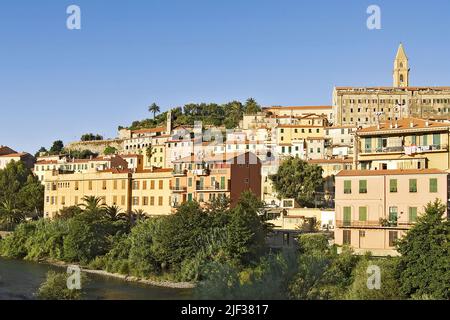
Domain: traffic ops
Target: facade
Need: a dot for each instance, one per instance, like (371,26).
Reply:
(205,179)
(66,190)
(148,191)
(375,208)
(404,144)
(67,165)
(299,111)
(366,106)
(8,155)
(151,192)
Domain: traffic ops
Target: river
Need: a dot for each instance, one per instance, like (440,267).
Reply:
(19,280)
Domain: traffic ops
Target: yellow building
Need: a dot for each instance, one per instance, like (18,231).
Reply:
(148,191)
(66,190)
(151,191)
(404,144)
(287,134)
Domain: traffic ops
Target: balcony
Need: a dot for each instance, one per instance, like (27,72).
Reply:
(372,224)
(201,172)
(211,188)
(178,189)
(179,172)
(407,150)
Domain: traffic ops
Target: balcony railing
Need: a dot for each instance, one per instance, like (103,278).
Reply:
(178,189)
(179,172)
(211,188)
(403,149)
(372,224)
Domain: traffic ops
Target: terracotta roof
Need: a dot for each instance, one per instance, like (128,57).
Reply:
(14,155)
(299,126)
(151,130)
(156,170)
(355,173)
(404,124)
(394,88)
(337,160)
(299,108)
(216,158)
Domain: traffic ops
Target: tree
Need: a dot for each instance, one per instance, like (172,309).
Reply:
(55,288)
(31,197)
(298,180)
(93,205)
(42,150)
(252,107)
(154,108)
(389,283)
(109,151)
(9,215)
(57,147)
(149,152)
(91,137)
(425,250)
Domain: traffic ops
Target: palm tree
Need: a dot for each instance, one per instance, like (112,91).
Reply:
(114,212)
(138,215)
(155,109)
(93,204)
(9,215)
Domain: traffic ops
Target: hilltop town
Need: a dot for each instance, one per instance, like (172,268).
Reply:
(378,149)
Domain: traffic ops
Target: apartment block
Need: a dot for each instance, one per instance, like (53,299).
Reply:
(409,143)
(204,179)
(375,208)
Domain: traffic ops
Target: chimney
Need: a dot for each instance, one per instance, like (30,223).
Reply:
(411,124)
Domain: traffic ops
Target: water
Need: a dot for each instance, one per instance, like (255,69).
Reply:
(19,280)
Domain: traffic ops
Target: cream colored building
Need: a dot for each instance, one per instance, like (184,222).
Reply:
(408,143)
(8,155)
(375,208)
(149,191)
(366,106)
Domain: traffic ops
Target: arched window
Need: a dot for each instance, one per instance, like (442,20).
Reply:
(401,64)
(401,78)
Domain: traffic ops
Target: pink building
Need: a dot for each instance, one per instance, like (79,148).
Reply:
(375,208)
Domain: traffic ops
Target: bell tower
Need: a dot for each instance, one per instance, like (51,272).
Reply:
(401,68)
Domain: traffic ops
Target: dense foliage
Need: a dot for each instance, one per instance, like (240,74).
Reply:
(227,115)
(299,180)
(55,288)
(21,195)
(91,137)
(425,260)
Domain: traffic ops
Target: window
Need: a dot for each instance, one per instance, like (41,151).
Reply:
(161,184)
(393,236)
(104,185)
(393,215)
(145,201)
(152,184)
(346,237)
(412,214)
(135,201)
(362,186)
(412,185)
(222,183)
(433,185)
(347,216)
(362,213)
(135,185)
(144,185)
(436,139)
(347,187)
(124,184)
(362,233)
(122,200)
(368,144)
(393,185)
(115,184)
(160,201)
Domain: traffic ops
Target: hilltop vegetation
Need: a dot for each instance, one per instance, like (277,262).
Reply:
(227,115)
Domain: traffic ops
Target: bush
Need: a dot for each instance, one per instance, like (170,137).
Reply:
(55,288)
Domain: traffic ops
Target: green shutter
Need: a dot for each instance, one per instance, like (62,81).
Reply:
(425,140)
(189,197)
(412,214)
(222,183)
(412,185)
(368,144)
(433,185)
(347,186)
(362,186)
(437,139)
(393,214)
(190,182)
(380,143)
(393,185)
(362,213)
(347,216)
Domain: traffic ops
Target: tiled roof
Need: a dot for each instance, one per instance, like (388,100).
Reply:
(299,108)
(337,160)
(403,124)
(356,173)
(151,130)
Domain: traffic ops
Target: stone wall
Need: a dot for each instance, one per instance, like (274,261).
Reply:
(95,146)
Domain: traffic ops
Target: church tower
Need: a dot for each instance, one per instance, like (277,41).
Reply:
(401,68)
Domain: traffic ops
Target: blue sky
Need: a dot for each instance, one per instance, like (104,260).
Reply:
(58,84)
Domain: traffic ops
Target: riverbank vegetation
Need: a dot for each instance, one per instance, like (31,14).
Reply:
(224,252)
